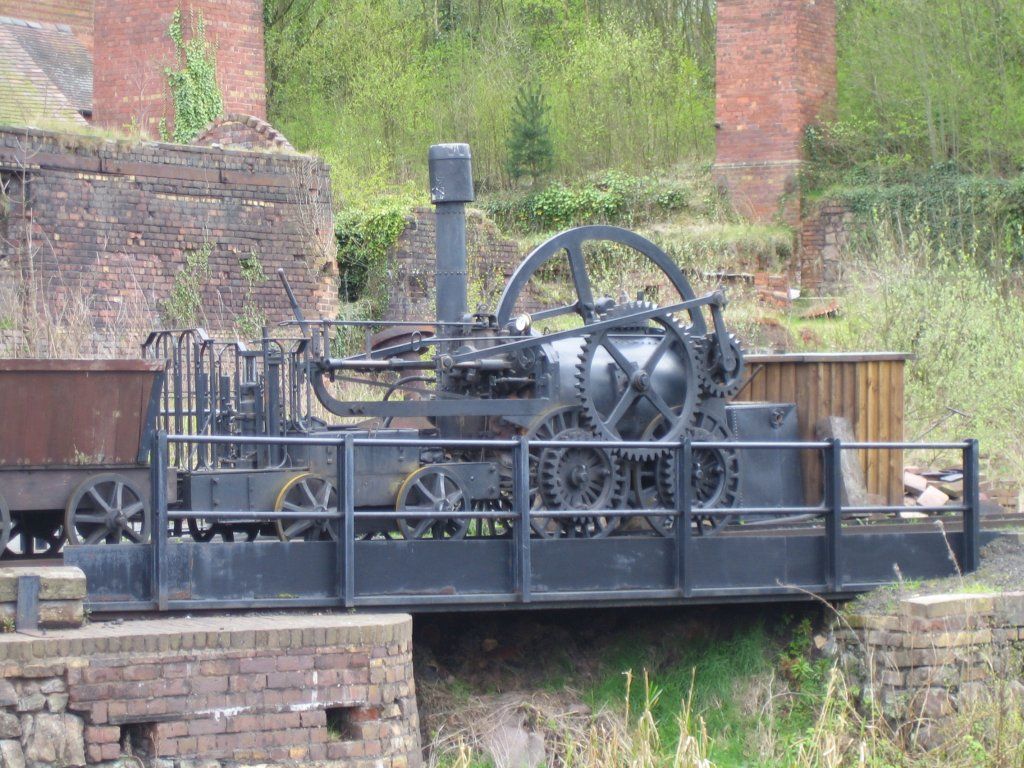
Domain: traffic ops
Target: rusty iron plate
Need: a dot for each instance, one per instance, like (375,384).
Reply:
(74,412)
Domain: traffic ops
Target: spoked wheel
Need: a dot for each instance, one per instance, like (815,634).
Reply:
(5,524)
(433,489)
(491,527)
(107,508)
(307,493)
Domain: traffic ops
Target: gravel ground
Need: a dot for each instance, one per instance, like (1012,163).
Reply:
(1002,570)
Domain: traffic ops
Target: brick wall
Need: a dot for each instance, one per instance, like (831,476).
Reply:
(923,661)
(824,230)
(284,690)
(77,14)
(134,49)
(491,260)
(243,132)
(775,75)
(110,225)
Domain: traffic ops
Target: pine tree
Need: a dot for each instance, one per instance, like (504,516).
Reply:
(530,151)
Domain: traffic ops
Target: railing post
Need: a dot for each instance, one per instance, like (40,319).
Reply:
(834,515)
(521,505)
(970,557)
(346,464)
(158,535)
(684,519)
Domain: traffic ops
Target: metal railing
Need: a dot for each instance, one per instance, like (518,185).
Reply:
(831,510)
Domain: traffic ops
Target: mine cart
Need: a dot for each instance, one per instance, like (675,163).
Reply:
(74,442)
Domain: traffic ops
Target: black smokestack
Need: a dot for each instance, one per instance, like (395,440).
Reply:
(451,187)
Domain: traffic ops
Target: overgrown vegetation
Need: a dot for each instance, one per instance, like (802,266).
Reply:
(613,197)
(925,84)
(193,83)
(184,307)
(678,690)
(369,85)
(959,309)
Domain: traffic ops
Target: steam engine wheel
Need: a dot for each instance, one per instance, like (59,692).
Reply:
(433,490)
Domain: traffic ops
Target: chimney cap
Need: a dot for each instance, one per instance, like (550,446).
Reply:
(451,173)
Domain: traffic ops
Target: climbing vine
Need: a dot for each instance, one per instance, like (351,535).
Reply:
(197,98)
(184,307)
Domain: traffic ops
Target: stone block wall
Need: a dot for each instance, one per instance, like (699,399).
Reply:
(61,596)
(931,658)
(109,225)
(491,260)
(281,690)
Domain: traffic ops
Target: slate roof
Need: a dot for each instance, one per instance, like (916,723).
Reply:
(45,73)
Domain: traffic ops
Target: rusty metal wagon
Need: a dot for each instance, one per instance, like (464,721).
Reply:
(74,443)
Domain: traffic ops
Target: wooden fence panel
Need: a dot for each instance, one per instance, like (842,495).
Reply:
(864,388)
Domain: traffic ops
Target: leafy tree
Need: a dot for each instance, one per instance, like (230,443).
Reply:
(530,150)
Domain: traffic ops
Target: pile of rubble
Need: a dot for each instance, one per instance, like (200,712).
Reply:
(931,487)
(939,487)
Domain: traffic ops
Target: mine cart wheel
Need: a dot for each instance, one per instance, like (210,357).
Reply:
(307,493)
(107,508)
(433,489)
(38,534)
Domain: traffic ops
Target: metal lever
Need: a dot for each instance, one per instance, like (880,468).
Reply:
(296,309)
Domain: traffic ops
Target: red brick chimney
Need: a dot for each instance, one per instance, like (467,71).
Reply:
(132,49)
(776,74)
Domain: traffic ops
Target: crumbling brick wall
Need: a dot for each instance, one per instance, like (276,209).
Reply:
(112,224)
(491,260)
(824,231)
(243,132)
(279,690)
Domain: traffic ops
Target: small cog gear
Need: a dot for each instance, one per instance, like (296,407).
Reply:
(581,478)
(617,407)
(715,380)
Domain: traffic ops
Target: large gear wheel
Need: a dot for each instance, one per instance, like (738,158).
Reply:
(714,477)
(715,379)
(638,388)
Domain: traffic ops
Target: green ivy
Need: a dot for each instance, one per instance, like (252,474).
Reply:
(197,98)
(184,307)
(364,239)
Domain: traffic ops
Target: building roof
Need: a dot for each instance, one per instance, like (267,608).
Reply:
(45,73)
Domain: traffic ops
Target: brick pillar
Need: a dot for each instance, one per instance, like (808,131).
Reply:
(132,49)
(776,74)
